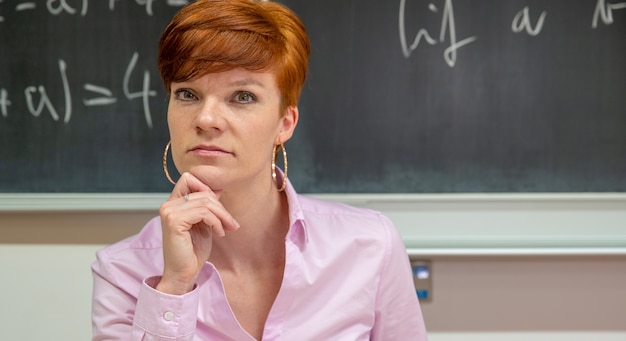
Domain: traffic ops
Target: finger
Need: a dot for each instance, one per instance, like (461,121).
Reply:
(187,184)
(202,230)
(218,230)
(211,211)
(195,193)
(203,222)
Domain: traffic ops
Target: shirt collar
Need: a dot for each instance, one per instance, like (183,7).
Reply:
(298,233)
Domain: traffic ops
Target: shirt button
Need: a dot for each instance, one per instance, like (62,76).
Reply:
(168,316)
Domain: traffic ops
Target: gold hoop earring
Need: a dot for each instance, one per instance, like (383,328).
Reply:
(167,173)
(277,148)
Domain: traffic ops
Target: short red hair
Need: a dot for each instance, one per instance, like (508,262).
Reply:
(218,35)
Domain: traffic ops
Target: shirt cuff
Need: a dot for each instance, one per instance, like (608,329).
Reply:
(169,316)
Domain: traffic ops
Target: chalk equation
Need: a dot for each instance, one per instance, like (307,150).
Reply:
(77,7)
(38,101)
(522,21)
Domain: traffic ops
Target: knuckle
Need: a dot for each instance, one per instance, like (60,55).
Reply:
(205,201)
(168,216)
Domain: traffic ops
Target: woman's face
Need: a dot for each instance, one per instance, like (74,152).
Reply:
(224,126)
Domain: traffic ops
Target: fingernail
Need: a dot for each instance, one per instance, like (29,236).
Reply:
(236,223)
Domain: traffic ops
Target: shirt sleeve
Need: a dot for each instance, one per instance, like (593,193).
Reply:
(165,317)
(117,314)
(398,315)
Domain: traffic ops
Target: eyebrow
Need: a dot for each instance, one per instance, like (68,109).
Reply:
(247,81)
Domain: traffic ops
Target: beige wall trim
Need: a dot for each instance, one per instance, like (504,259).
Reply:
(15,202)
(430,224)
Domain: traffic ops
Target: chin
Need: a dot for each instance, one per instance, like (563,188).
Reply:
(211,176)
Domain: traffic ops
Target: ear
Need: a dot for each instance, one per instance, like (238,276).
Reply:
(287,124)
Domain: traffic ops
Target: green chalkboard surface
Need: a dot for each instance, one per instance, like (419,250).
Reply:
(404,96)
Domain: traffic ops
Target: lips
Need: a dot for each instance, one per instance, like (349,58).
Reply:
(208,150)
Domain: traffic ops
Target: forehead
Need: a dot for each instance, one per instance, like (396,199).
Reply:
(237,77)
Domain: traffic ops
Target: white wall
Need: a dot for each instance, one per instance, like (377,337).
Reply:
(504,269)
(46,292)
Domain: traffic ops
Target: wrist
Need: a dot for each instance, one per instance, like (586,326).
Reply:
(172,286)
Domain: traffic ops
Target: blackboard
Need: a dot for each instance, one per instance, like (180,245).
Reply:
(403,96)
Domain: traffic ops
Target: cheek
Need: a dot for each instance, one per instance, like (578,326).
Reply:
(177,124)
(176,139)
(264,138)
(258,145)
(176,154)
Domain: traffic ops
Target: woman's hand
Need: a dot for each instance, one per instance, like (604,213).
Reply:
(190,218)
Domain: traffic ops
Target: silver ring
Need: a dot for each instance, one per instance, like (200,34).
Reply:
(186,197)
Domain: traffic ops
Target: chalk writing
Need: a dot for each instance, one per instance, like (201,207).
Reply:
(107,99)
(604,12)
(44,100)
(522,22)
(147,3)
(57,7)
(24,6)
(4,102)
(145,92)
(37,99)
(448,26)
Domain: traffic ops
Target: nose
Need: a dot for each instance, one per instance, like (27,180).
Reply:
(211,116)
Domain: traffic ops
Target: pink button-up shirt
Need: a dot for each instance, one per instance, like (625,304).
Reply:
(347,277)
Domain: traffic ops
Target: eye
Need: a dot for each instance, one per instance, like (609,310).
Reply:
(244,97)
(184,95)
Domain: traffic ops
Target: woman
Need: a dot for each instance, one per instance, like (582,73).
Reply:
(236,253)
